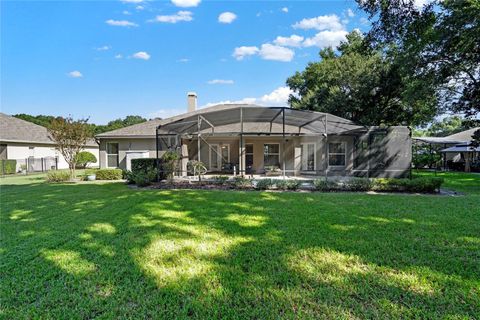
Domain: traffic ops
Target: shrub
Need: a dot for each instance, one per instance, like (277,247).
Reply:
(264,184)
(220,180)
(242,182)
(288,184)
(423,184)
(58,176)
(128,175)
(143,179)
(426,184)
(145,165)
(358,184)
(109,174)
(83,158)
(170,161)
(325,185)
(8,166)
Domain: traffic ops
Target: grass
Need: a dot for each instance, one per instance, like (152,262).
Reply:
(77,251)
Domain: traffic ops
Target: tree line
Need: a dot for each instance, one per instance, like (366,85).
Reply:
(413,65)
(46,121)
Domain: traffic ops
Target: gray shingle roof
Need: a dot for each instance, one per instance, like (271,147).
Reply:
(456,138)
(17,130)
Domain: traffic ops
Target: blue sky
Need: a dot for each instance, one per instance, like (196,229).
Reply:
(109,59)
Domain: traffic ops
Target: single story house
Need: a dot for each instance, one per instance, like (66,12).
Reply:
(31,145)
(251,139)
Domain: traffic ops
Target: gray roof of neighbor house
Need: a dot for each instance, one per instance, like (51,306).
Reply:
(17,130)
(226,119)
(456,138)
(461,148)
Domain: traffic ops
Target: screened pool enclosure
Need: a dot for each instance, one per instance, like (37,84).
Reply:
(248,140)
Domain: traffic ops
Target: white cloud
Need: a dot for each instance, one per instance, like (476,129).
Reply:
(292,41)
(227,17)
(267,52)
(350,13)
(184,60)
(103,48)
(278,53)
(121,23)
(118,56)
(174,18)
(284,9)
(125,12)
(278,97)
(75,74)
(220,81)
(186,3)
(139,7)
(141,55)
(326,38)
(327,22)
(241,52)
(419,4)
(132,1)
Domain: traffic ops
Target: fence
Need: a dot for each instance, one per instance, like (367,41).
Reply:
(28,165)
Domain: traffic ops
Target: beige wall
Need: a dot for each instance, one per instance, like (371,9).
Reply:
(124,145)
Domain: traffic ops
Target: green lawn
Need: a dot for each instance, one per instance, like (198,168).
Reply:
(83,251)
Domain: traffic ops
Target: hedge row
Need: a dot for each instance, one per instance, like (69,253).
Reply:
(108,174)
(422,185)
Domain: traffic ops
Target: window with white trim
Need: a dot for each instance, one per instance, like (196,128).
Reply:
(271,154)
(112,155)
(337,154)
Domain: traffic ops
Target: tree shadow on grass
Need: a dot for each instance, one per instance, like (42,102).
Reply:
(106,251)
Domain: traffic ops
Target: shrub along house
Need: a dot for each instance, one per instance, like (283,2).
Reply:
(251,139)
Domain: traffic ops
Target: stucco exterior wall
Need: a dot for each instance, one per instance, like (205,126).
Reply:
(124,145)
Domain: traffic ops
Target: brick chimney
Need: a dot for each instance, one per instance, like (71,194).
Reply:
(192,101)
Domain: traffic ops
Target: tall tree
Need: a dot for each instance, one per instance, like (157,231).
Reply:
(363,84)
(70,137)
(438,42)
(445,127)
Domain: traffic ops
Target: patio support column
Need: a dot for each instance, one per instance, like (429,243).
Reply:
(184,158)
(283,141)
(241,153)
(198,138)
(297,162)
(157,161)
(326,146)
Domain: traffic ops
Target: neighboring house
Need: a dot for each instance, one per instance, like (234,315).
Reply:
(250,139)
(32,145)
(456,150)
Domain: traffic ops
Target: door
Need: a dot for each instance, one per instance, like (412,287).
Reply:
(219,156)
(308,157)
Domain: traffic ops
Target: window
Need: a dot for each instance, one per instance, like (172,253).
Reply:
(308,156)
(336,154)
(271,154)
(112,155)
